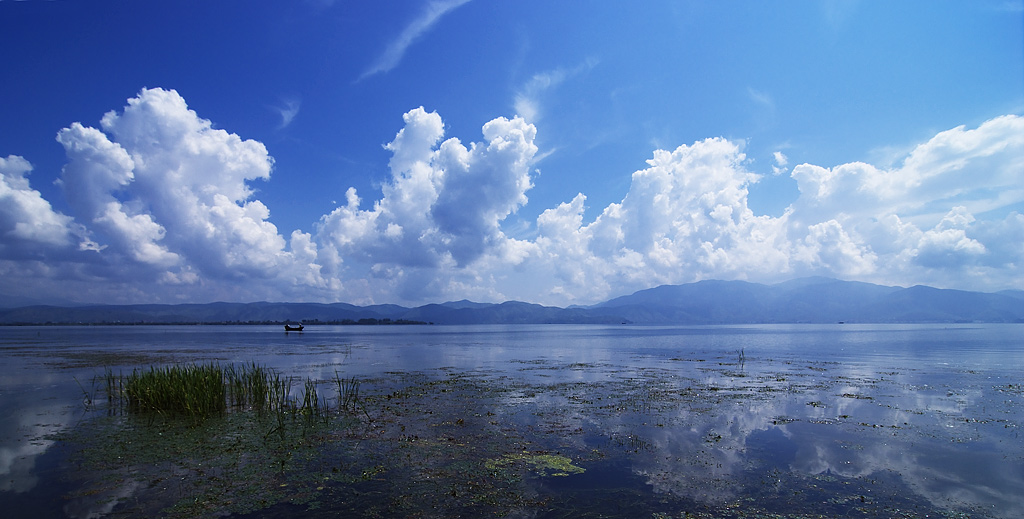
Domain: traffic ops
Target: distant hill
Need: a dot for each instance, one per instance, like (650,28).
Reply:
(805,300)
(198,313)
(1017,294)
(810,300)
(511,312)
(9,301)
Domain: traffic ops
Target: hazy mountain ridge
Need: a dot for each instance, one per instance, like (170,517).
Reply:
(811,300)
(805,300)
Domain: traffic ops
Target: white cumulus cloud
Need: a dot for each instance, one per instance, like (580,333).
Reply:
(163,208)
(684,218)
(916,221)
(27,220)
(160,186)
(443,205)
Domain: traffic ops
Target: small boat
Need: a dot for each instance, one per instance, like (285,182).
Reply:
(290,328)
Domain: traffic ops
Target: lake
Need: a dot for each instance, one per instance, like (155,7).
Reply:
(528,421)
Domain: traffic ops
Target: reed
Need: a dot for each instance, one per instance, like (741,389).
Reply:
(314,407)
(195,390)
(115,387)
(205,390)
(87,398)
(252,387)
(279,392)
(348,392)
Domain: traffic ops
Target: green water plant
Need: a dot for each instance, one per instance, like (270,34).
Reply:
(114,387)
(195,390)
(251,386)
(314,407)
(204,390)
(348,392)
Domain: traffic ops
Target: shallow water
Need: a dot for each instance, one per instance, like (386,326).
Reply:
(737,421)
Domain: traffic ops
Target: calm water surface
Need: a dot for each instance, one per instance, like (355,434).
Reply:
(736,421)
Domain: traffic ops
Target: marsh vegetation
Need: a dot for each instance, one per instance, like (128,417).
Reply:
(210,440)
(198,392)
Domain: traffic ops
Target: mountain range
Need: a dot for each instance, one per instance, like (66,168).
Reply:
(804,300)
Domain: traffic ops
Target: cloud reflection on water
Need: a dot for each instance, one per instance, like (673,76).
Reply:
(27,435)
(852,421)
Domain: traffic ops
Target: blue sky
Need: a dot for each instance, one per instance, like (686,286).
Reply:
(554,152)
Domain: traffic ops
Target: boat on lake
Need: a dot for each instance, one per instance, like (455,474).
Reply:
(293,328)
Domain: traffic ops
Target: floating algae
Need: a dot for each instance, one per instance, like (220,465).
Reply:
(542,465)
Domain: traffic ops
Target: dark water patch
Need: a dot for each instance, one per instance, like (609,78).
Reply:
(770,448)
(27,499)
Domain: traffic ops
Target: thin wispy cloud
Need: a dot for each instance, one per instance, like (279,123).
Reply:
(288,109)
(392,56)
(527,99)
(781,161)
(762,99)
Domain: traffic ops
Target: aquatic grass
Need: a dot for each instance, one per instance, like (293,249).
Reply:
(314,407)
(348,392)
(195,390)
(87,398)
(114,386)
(201,391)
(255,387)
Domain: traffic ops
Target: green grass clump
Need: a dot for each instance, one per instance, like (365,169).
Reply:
(196,390)
(204,390)
(255,387)
(348,392)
